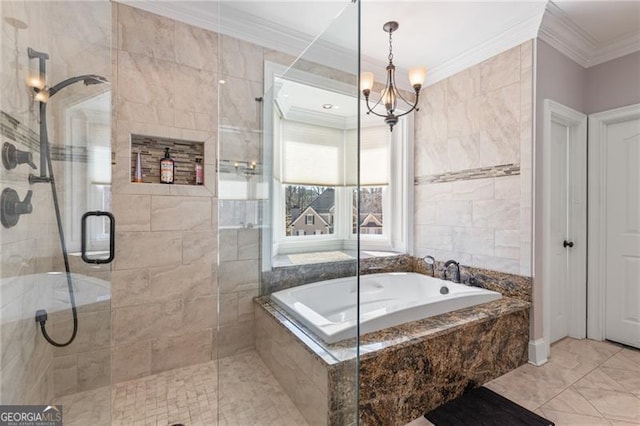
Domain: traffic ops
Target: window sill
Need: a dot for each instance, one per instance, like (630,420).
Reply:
(330,256)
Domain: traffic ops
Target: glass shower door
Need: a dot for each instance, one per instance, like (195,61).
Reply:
(55,292)
(286,148)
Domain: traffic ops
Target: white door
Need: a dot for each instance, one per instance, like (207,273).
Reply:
(559,224)
(564,223)
(622,291)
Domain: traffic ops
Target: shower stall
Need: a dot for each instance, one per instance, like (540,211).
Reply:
(54,279)
(181,328)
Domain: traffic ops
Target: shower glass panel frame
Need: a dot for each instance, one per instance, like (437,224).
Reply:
(33,275)
(259,348)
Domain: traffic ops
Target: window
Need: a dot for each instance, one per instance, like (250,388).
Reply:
(314,197)
(308,208)
(87,180)
(316,167)
(371,213)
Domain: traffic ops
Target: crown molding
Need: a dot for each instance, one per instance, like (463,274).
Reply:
(317,118)
(616,49)
(565,36)
(560,32)
(520,31)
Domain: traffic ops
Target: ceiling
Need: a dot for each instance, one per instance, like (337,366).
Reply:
(445,36)
(310,104)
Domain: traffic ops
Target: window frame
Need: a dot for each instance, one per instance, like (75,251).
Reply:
(398,221)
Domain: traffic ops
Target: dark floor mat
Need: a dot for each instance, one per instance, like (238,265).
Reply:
(483,407)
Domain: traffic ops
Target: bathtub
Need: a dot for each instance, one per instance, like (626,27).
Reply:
(328,308)
(49,291)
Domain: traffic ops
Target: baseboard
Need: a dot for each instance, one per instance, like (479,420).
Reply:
(538,352)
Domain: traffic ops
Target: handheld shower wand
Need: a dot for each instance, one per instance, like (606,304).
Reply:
(43,94)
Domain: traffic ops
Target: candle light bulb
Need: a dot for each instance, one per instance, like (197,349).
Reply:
(42,96)
(417,76)
(366,81)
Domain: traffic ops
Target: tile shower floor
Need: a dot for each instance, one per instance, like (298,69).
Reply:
(584,383)
(246,393)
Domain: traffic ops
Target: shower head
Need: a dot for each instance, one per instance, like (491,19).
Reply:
(95,79)
(86,79)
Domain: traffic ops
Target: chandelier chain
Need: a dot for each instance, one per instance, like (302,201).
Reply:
(390,47)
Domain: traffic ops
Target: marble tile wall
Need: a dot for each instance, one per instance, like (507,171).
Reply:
(86,363)
(477,120)
(241,65)
(238,278)
(164,294)
(204,278)
(78,42)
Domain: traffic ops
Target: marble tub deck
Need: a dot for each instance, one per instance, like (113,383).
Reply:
(404,370)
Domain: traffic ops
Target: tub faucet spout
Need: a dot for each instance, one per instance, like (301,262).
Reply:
(456,276)
(431,262)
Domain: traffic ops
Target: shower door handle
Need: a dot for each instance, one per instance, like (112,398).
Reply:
(112,236)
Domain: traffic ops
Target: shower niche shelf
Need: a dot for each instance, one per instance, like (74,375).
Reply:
(152,148)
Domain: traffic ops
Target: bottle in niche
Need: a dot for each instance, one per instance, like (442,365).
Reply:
(199,172)
(137,177)
(167,168)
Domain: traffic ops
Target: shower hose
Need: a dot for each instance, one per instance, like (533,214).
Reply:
(41,315)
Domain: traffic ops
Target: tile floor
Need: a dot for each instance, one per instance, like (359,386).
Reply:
(584,383)
(249,395)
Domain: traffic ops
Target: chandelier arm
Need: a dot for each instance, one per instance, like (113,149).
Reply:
(372,111)
(411,109)
(376,104)
(402,97)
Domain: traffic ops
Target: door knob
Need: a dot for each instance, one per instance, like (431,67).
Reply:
(567,244)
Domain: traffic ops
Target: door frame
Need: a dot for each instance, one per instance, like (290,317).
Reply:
(555,112)
(597,229)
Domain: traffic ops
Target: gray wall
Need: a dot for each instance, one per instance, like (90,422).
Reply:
(564,81)
(613,84)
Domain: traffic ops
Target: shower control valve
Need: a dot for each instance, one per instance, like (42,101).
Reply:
(12,157)
(11,208)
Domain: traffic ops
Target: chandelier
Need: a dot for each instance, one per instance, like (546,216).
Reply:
(390,95)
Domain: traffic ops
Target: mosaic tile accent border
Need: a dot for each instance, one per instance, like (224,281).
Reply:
(152,148)
(14,131)
(470,174)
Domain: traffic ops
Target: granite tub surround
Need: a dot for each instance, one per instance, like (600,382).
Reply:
(509,285)
(280,278)
(404,370)
(399,385)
